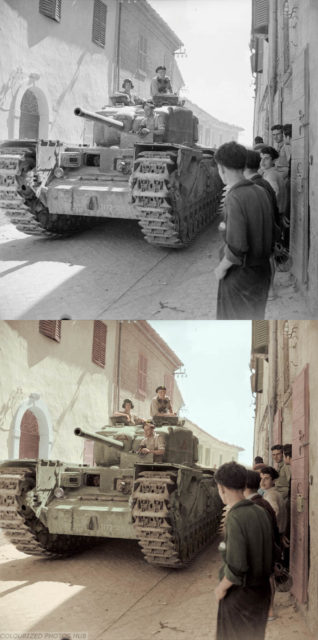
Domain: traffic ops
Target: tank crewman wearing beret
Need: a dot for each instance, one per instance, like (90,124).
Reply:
(160,83)
(152,442)
(127,407)
(161,404)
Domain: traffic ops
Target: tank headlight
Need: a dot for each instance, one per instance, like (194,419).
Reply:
(59,492)
(58,172)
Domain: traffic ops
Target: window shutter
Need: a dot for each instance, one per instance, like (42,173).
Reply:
(259,54)
(260,16)
(51,9)
(142,374)
(260,336)
(99,23)
(99,343)
(259,375)
(51,329)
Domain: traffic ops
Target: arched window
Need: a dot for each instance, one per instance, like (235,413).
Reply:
(29,117)
(29,436)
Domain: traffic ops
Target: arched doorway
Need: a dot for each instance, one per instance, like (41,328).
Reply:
(29,436)
(29,116)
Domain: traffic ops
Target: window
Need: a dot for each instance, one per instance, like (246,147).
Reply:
(99,343)
(142,54)
(51,329)
(51,9)
(220,459)
(260,336)
(142,374)
(207,457)
(207,137)
(260,16)
(99,23)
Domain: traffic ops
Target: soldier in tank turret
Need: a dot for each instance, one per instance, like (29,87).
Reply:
(127,407)
(160,83)
(127,87)
(161,403)
(148,122)
(152,442)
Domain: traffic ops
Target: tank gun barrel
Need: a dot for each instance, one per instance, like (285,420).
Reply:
(82,433)
(96,117)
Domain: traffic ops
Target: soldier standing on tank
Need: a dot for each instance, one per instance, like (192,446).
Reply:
(161,403)
(152,442)
(160,83)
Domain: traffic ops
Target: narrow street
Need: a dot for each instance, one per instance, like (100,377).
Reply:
(111,272)
(110,593)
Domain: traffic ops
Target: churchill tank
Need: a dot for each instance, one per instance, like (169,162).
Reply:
(158,176)
(172,507)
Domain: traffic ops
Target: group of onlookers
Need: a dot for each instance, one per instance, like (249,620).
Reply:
(256,223)
(256,543)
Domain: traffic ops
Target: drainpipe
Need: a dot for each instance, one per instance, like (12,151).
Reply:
(272,62)
(117,75)
(272,399)
(118,364)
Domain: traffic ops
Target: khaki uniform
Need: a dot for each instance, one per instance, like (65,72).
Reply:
(283,482)
(153,442)
(160,407)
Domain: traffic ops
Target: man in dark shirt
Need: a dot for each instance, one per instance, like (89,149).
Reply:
(244,591)
(244,272)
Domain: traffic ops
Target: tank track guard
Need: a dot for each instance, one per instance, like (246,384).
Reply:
(18,520)
(177,191)
(174,522)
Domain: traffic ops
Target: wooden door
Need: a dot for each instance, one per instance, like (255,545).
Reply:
(29,436)
(300,487)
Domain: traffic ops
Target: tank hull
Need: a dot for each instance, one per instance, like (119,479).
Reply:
(172,510)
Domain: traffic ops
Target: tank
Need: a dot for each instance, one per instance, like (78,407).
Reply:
(172,507)
(164,179)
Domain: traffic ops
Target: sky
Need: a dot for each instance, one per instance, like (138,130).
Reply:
(216,386)
(216,69)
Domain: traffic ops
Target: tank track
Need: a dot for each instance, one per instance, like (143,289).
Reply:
(25,210)
(21,526)
(158,201)
(154,523)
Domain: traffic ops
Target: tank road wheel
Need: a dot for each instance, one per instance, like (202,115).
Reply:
(21,526)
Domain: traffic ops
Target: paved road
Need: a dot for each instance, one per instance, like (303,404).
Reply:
(110,593)
(106,272)
(111,272)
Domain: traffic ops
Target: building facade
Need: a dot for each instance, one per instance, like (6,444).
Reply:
(58,375)
(284,62)
(213,452)
(213,132)
(284,380)
(58,55)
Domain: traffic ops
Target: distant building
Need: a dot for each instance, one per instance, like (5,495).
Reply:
(57,375)
(213,452)
(284,362)
(213,132)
